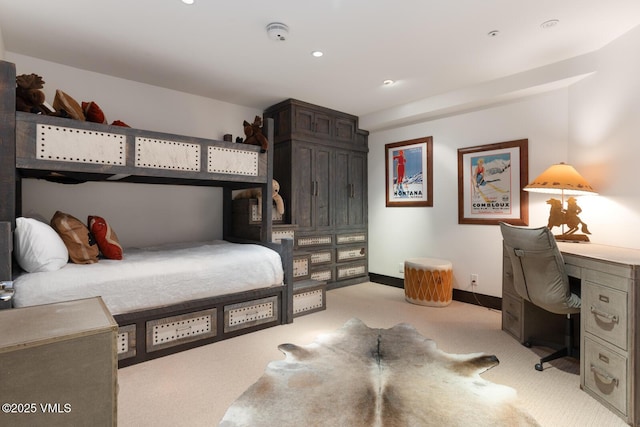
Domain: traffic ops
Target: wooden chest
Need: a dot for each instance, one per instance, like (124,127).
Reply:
(58,365)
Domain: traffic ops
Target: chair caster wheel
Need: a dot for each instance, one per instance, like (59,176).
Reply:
(539,367)
(527,344)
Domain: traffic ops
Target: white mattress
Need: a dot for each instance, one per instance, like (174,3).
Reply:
(156,276)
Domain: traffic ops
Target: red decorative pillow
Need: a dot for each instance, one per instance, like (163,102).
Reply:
(76,237)
(93,113)
(120,123)
(106,237)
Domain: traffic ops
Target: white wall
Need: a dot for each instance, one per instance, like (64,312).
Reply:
(399,233)
(140,214)
(593,124)
(604,141)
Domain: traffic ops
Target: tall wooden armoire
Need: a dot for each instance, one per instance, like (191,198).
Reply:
(320,161)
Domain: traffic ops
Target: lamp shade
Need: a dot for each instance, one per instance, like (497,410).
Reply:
(561,179)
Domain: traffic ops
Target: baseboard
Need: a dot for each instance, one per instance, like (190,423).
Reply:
(458,295)
(386,280)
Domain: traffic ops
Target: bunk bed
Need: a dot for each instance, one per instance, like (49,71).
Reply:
(66,150)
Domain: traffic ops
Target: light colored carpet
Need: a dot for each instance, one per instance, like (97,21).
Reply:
(195,387)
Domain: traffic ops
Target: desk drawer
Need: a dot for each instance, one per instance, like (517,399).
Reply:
(507,276)
(512,316)
(605,313)
(605,374)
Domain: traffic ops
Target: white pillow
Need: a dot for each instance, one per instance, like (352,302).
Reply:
(37,246)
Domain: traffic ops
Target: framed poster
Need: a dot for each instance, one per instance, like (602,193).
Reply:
(409,172)
(491,179)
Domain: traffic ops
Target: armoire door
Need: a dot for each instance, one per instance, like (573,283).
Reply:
(350,176)
(311,186)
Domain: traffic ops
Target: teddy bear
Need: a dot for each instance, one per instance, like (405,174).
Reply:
(254,136)
(29,96)
(256,193)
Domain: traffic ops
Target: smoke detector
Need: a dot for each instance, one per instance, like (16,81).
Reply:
(278,31)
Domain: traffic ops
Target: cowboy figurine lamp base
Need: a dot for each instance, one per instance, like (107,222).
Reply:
(564,179)
(559,216)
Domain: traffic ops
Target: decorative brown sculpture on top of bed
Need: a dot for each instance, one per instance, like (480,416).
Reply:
(29,96)
(254,135)
(31,99)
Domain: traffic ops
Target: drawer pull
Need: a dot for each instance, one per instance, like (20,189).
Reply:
(603,358)
(612,317)
(603,298)
(608,379)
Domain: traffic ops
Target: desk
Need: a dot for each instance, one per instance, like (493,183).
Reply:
(609,278)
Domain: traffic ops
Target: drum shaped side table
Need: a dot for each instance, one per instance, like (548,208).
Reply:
(428,281)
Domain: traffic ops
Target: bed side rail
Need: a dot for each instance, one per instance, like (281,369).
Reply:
(6,248)
(285,249)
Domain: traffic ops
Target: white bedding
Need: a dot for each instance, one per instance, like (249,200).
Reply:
(156,276)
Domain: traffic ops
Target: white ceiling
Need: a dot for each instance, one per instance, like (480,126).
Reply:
(438,51)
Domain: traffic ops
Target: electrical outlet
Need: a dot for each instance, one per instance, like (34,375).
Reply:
(474,280)
(401,267)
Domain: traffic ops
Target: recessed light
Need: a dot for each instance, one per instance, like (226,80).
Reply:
(550,23)
(317,53)
(493,33)
(188,1)
(388,82)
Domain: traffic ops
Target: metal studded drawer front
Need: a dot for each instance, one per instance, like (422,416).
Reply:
(307,241)
(351,238)
(126,341)
(251,313)
(322,257)
(301,267)
(278,235)
(322,274)
(351,253)
(255,216)
(351,270)
(308,301)
(175,330)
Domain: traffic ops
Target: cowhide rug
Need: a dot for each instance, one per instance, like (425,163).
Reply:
(359,376)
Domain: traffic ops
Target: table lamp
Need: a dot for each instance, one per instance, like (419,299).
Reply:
(563,179)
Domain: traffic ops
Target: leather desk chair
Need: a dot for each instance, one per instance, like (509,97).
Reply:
(539,277)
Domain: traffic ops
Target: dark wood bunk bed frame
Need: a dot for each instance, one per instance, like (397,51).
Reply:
(209,319)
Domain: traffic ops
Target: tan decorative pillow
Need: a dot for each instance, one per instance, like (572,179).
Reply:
(76,237)
(62,101)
